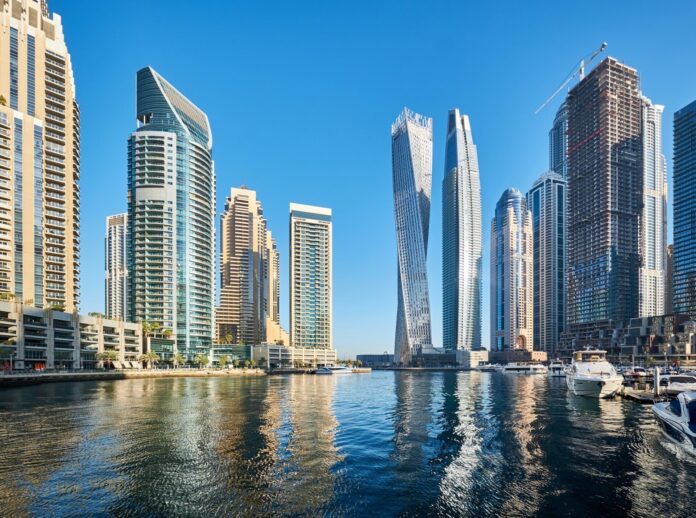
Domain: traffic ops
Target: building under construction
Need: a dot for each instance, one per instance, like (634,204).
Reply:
(605,180)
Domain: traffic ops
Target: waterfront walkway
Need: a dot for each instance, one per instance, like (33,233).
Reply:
(34,378)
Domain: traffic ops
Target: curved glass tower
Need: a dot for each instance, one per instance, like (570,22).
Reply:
(461,238)
(412,168)
(171,210)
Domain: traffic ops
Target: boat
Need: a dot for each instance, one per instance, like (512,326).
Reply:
(680,383)
(557,369)
(489,367)
(677,419)
(339,369)
(525,368)
(591,375)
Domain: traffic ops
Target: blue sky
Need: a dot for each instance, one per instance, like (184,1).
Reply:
(301,96)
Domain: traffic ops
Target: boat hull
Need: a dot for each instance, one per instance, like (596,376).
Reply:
(673,429)
(594,387)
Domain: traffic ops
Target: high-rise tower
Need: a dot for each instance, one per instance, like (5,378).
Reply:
(512,282)
(461,238)
(547,201)
(653,219)
(39,160)
(605,191)
(311,276)
(558,142)
(684,206)
(115,264)
(249,284)
(412,168)
(171,210)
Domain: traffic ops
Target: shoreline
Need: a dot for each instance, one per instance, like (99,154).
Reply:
(24,379)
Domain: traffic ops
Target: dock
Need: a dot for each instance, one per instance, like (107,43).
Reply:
(644,397)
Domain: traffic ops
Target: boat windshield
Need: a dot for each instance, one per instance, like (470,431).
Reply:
(675,407)
(682,379)
(691,407)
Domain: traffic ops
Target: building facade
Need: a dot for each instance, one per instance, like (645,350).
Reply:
(669,272)
(249,273)
(461,238)
(653,220)
(547,202)
(605,191)
(116,267)
(39,160)
(558,142)
(512,284)
(684,207)
(171,210)
(42,338)
(311,278)
(412,169)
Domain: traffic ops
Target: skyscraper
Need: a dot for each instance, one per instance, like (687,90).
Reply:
(171,207)
(310,276)
(512,274)
(605,189)
(684,206)
(249,284)
(653,220)
(412,169)
(547,201)
(558,142)
(461,238)
(115,283)
(39,159)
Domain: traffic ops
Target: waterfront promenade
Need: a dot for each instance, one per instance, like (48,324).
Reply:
(34,378)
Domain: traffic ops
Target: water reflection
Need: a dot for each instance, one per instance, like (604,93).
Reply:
(388,443)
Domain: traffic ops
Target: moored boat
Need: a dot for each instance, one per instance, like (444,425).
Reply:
(557,369)
(338,369)
(679,383)
(489,367)
(591,375)
(677,419)
(525,368)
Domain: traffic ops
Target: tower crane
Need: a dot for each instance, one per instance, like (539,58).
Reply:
(578,69)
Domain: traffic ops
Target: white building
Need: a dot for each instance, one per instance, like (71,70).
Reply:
(279,356)
(653,235)
(116,281)
(310,276)
(461,238)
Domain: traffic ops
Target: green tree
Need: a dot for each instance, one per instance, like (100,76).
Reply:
(252,363)
(178,359)
(223,361)
(107,357)
(246,364)
(167,333)
(150,357)
(228,338)
(95,314)
(201,360)
(236,364)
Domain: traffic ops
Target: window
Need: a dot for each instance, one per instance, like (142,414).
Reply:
(675,407)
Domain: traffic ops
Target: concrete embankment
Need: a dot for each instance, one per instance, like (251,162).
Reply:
(16,380)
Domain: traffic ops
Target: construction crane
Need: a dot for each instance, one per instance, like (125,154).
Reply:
(578,69)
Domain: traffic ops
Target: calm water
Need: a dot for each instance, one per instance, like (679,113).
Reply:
(386,443)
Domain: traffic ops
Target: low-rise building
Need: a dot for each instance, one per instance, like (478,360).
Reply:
(42,338)
(280,356)
(376,360)
(239,353)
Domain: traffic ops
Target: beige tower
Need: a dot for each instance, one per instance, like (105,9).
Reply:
(39,160)
(249,284)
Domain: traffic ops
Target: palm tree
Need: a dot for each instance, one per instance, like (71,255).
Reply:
(150,357)
(228,338)
(246,364)
(252,363)
(223,361)
(107,356)
(201,360)
(167,333)
(178,359)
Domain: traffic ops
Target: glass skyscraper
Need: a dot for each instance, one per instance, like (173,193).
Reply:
(558,142)
(461,238)
(171,210)
(547,200)
(512,283)
(116,266)
(39,163)
(311,277)
(684,206)
(412,167)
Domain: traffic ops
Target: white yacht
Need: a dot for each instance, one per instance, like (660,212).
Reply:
(678,420)
(678,383)
(557,369)
(525,368)
(338,369)
(591,375)
(489,367)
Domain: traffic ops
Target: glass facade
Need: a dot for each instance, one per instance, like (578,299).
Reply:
(461,238)
(171,231)
(18,210)
(38,217)
(684,206)
(412,152)
(558,142)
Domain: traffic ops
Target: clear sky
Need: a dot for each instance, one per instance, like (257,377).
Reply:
(301,96)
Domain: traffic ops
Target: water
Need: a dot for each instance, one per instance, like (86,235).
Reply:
(380,444)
